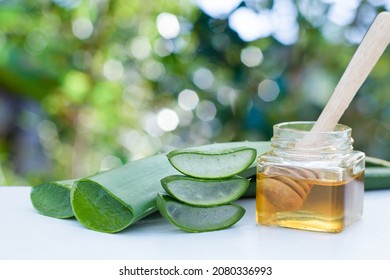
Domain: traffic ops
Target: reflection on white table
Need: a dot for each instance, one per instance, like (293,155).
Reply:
(25,234)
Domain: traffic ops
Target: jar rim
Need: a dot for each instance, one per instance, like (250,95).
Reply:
(304,127)
(296,139)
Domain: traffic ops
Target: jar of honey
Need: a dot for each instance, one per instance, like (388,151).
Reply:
(310,181)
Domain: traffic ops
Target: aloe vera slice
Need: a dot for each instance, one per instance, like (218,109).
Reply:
(212,164)
(204,192)
(113,200)
(53,199)
(198,219)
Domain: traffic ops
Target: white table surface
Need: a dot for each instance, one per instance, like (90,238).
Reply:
(25,234)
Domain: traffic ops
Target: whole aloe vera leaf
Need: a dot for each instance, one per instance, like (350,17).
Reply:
(204,192)
(198,219)
(53,199)
(113,200)
(212,164)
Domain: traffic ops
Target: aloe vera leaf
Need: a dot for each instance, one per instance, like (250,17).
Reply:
(377,178)
(53,199)
(251,190)
(198,219)
(376,162)
(113,200)
(377,174)
(133,187)
(204,192)
(212,164)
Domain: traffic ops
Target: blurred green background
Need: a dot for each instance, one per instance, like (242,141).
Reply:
(90,85)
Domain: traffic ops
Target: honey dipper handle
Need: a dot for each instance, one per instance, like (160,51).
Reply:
(366,56)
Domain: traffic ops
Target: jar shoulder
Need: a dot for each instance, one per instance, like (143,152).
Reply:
(348,160)
(325,169)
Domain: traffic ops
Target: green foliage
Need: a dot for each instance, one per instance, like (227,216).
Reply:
(113,89)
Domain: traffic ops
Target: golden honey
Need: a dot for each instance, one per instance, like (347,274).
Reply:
(330,206)
(310,181)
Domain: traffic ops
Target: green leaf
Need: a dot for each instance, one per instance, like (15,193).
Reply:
(113,200)
(376,162)
(53,199)
(198,219)
(376,174)
(204,192)
(99,210)
(377,178)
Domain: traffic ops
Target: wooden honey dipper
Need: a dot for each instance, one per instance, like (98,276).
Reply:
(286,190)
(288,194)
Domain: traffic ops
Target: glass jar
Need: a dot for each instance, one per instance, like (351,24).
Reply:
(311,181)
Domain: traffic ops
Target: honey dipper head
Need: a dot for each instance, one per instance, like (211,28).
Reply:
(286,190)
(281,194)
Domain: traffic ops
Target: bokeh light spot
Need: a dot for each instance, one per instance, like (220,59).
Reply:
(268,90)
(113,70)
(167,119)
(163,47)
(227,96)
(206,110)
(47,130)
(36,43)
(284,15)
(188,99)
(82,28)
(218,9)
(140,48)
(149,123)
(251,56)
(203,78)
(250,25)
(153,70)
(168,25)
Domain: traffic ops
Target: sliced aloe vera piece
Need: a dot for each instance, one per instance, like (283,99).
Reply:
(213,163)
(53,199)
(204,192)
(198,219)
